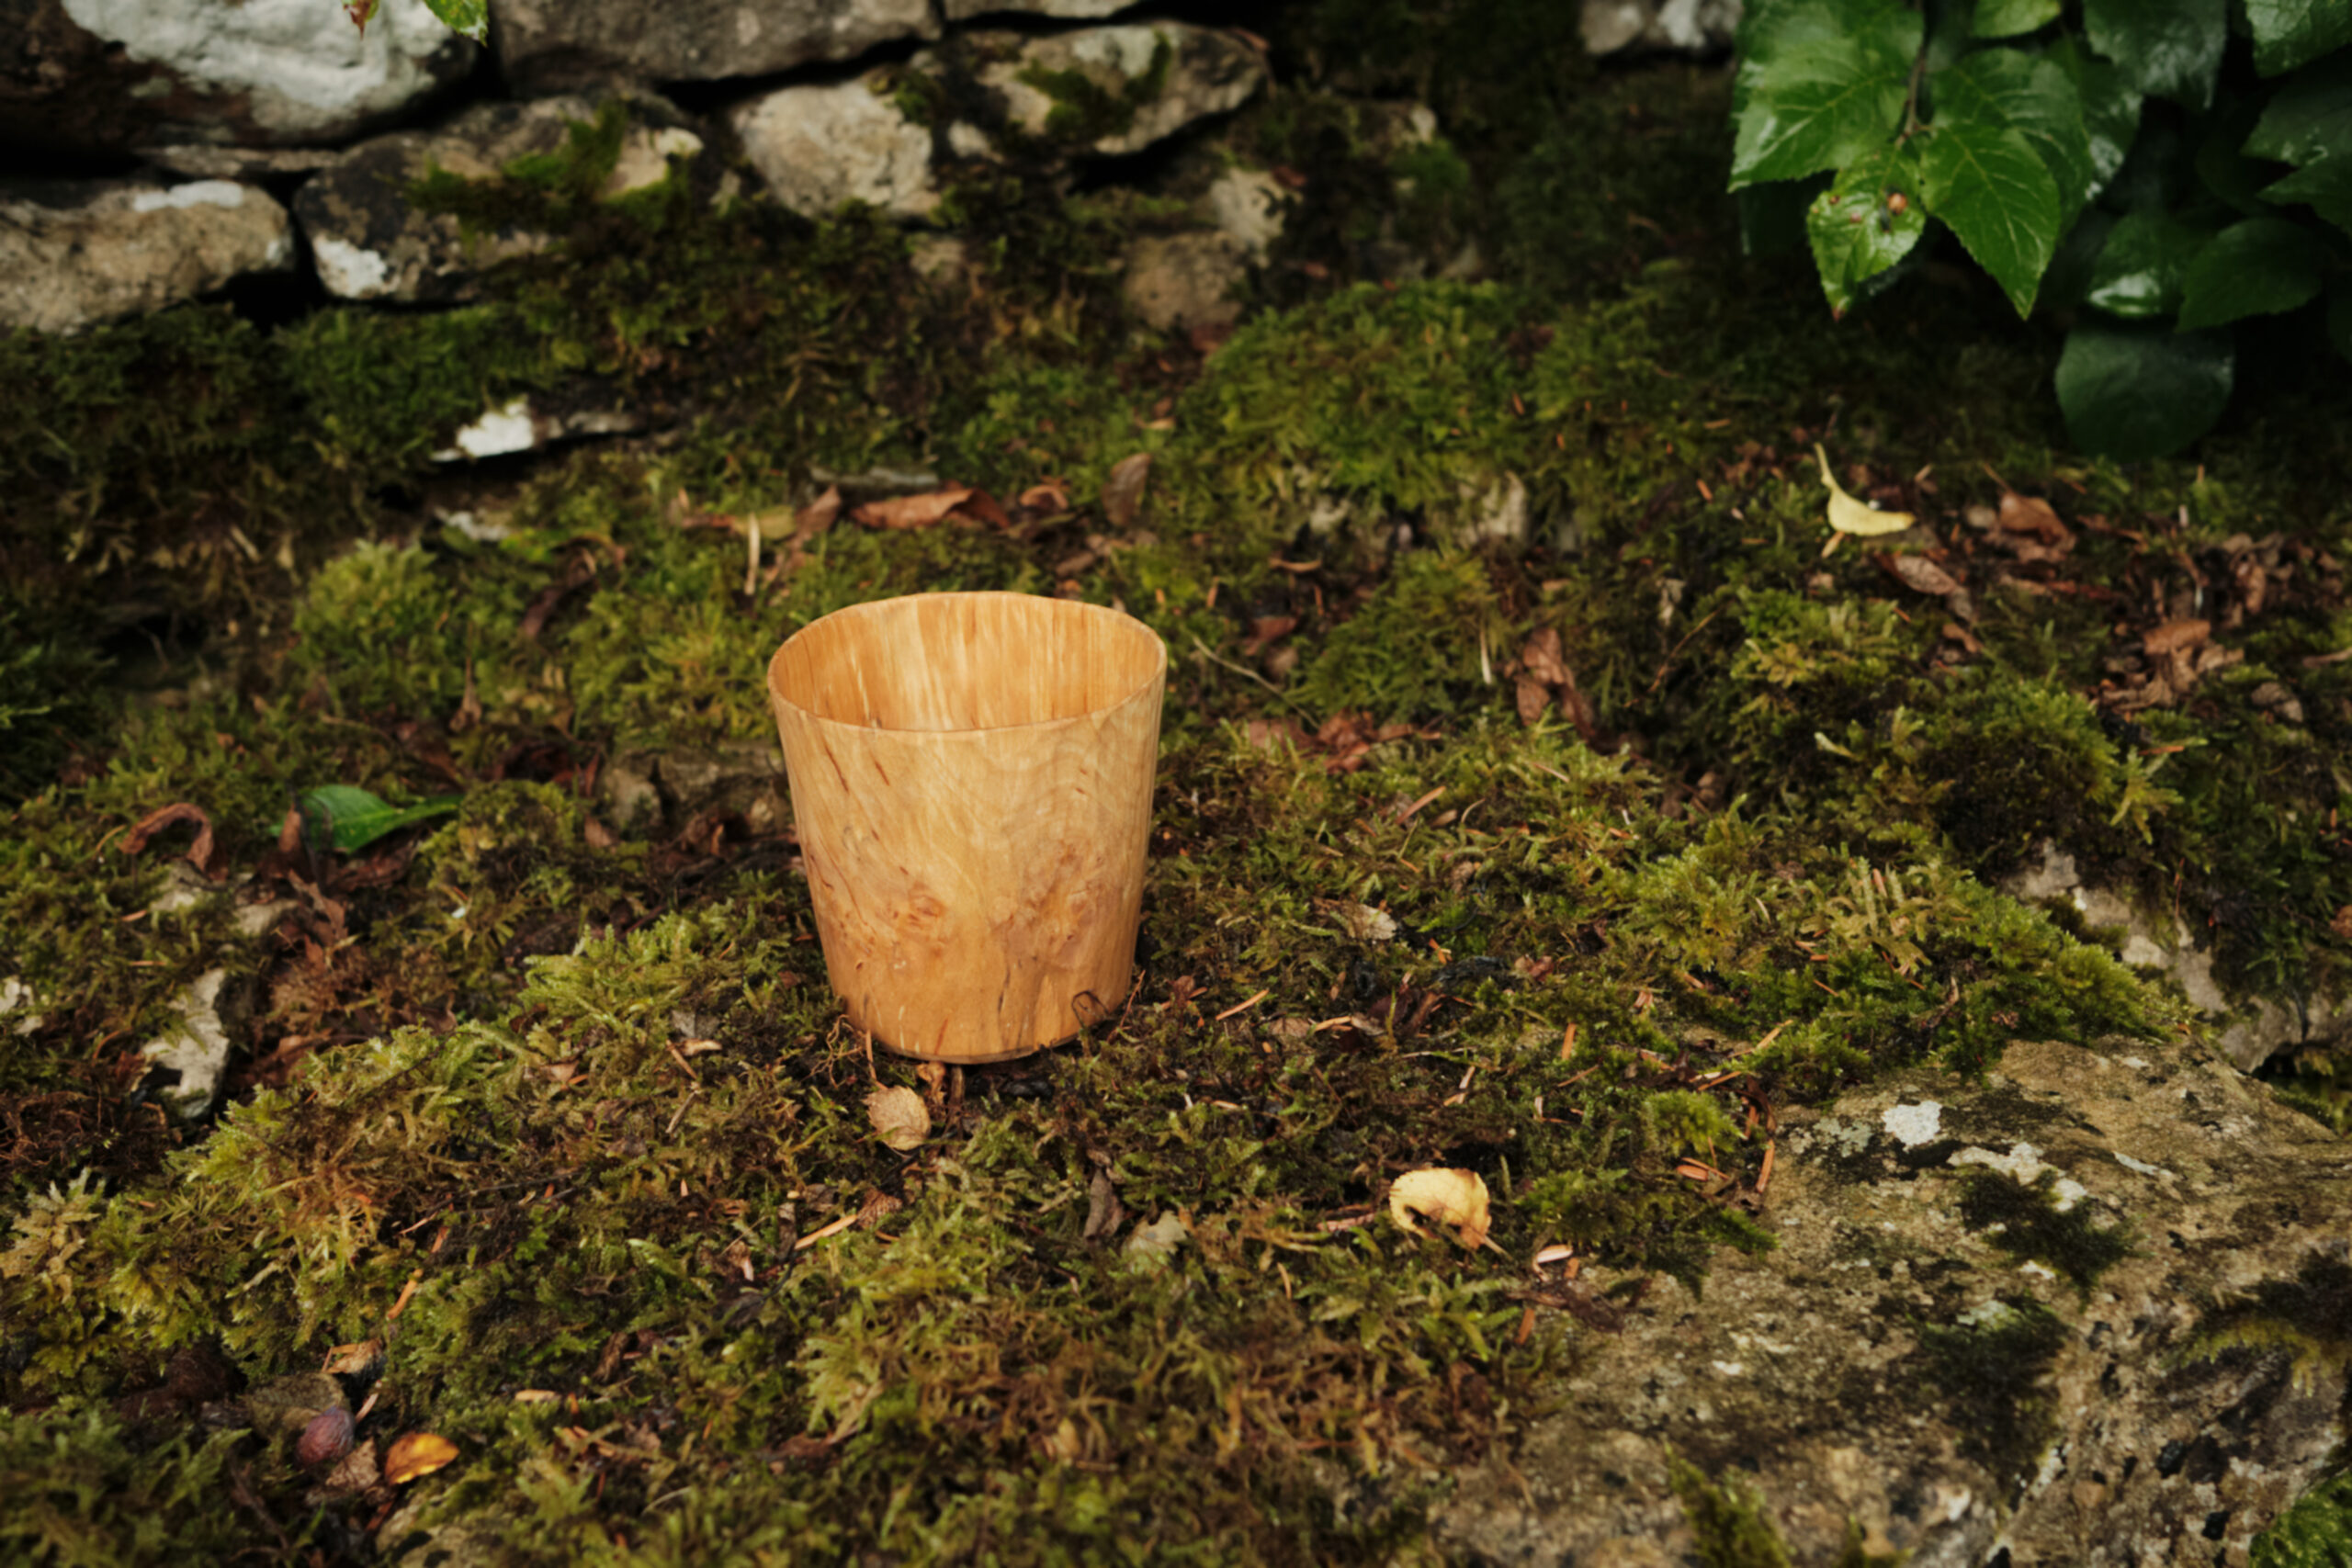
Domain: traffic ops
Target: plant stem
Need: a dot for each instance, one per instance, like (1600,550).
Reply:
(1911,126)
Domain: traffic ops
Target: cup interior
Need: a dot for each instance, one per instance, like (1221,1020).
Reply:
(951,661)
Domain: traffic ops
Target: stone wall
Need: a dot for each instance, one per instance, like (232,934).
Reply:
(272,141)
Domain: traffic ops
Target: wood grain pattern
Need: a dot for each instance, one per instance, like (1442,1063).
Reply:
(971,777)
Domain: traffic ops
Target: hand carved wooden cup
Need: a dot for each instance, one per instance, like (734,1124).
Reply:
(971,777)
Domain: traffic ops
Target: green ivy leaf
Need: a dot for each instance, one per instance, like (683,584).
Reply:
(2307,117)
(1821,85)
(2326,184)
(2007,19)
(2111,106)
(2171,49)
(351,818)
(2035,97)
(1987,183)
(470,17)
(2134,392)
(1856,233)
(2289,32)
(2255,269)
(2142,267)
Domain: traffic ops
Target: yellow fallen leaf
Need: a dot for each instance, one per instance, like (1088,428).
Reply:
(1456,1198)
(415,1454)
(1850,516)
(898,1116)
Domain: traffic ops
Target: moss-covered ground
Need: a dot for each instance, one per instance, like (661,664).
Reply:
(1565,858)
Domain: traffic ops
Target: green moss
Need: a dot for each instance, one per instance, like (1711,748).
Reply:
(78,1487)
(1413,650)
(1086,111)
(1991,1369)
(2308,1317)
(2315,1533)
(1728,1519)
(2028,1223)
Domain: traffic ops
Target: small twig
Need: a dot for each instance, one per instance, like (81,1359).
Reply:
(1240,1007)
(1245,670)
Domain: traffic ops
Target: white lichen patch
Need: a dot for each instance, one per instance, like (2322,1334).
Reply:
(1911,1125)
(349,271)
(2022,1163)
(2143,1167)
(506,428)
(196,193)
(197,1050)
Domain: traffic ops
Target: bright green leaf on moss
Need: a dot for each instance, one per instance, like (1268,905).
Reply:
(2141,269)
(2169,49)
(2138,392)
(1866,222)
(2255,268)
(1990,186)
(353,818)
(2289,32)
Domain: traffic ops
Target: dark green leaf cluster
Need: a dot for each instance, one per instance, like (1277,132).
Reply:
(2129,159)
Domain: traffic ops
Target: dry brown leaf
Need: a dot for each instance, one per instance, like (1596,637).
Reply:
(2031,515)
(1454,1198)
(913,511)
(898,1116)
(1051,496)
(2341,924)
(415,1454)
(355,1359)
(2175,635)
(1540,656)
(817,517)
(1365,923)
(1919,574)
(981,507)
(1122,491)
(1532,696)
(199,854)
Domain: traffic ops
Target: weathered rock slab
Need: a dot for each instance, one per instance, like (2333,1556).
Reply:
(97,76)
(1143,81)
(73,255)
(820,147)
(1678,27)
(1933,1357)
(888,139)
(2252,1029)
(1182,281)
(548,44)
(371,242)
(1067,10)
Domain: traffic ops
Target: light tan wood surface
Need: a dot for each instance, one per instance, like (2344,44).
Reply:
(971,777)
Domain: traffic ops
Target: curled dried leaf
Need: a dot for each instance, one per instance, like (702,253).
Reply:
(416,1454)
(1919,574)
(898,1116)
(2174,636)
(913,511)
(1848,515)
(199,854)
(1450,1197)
